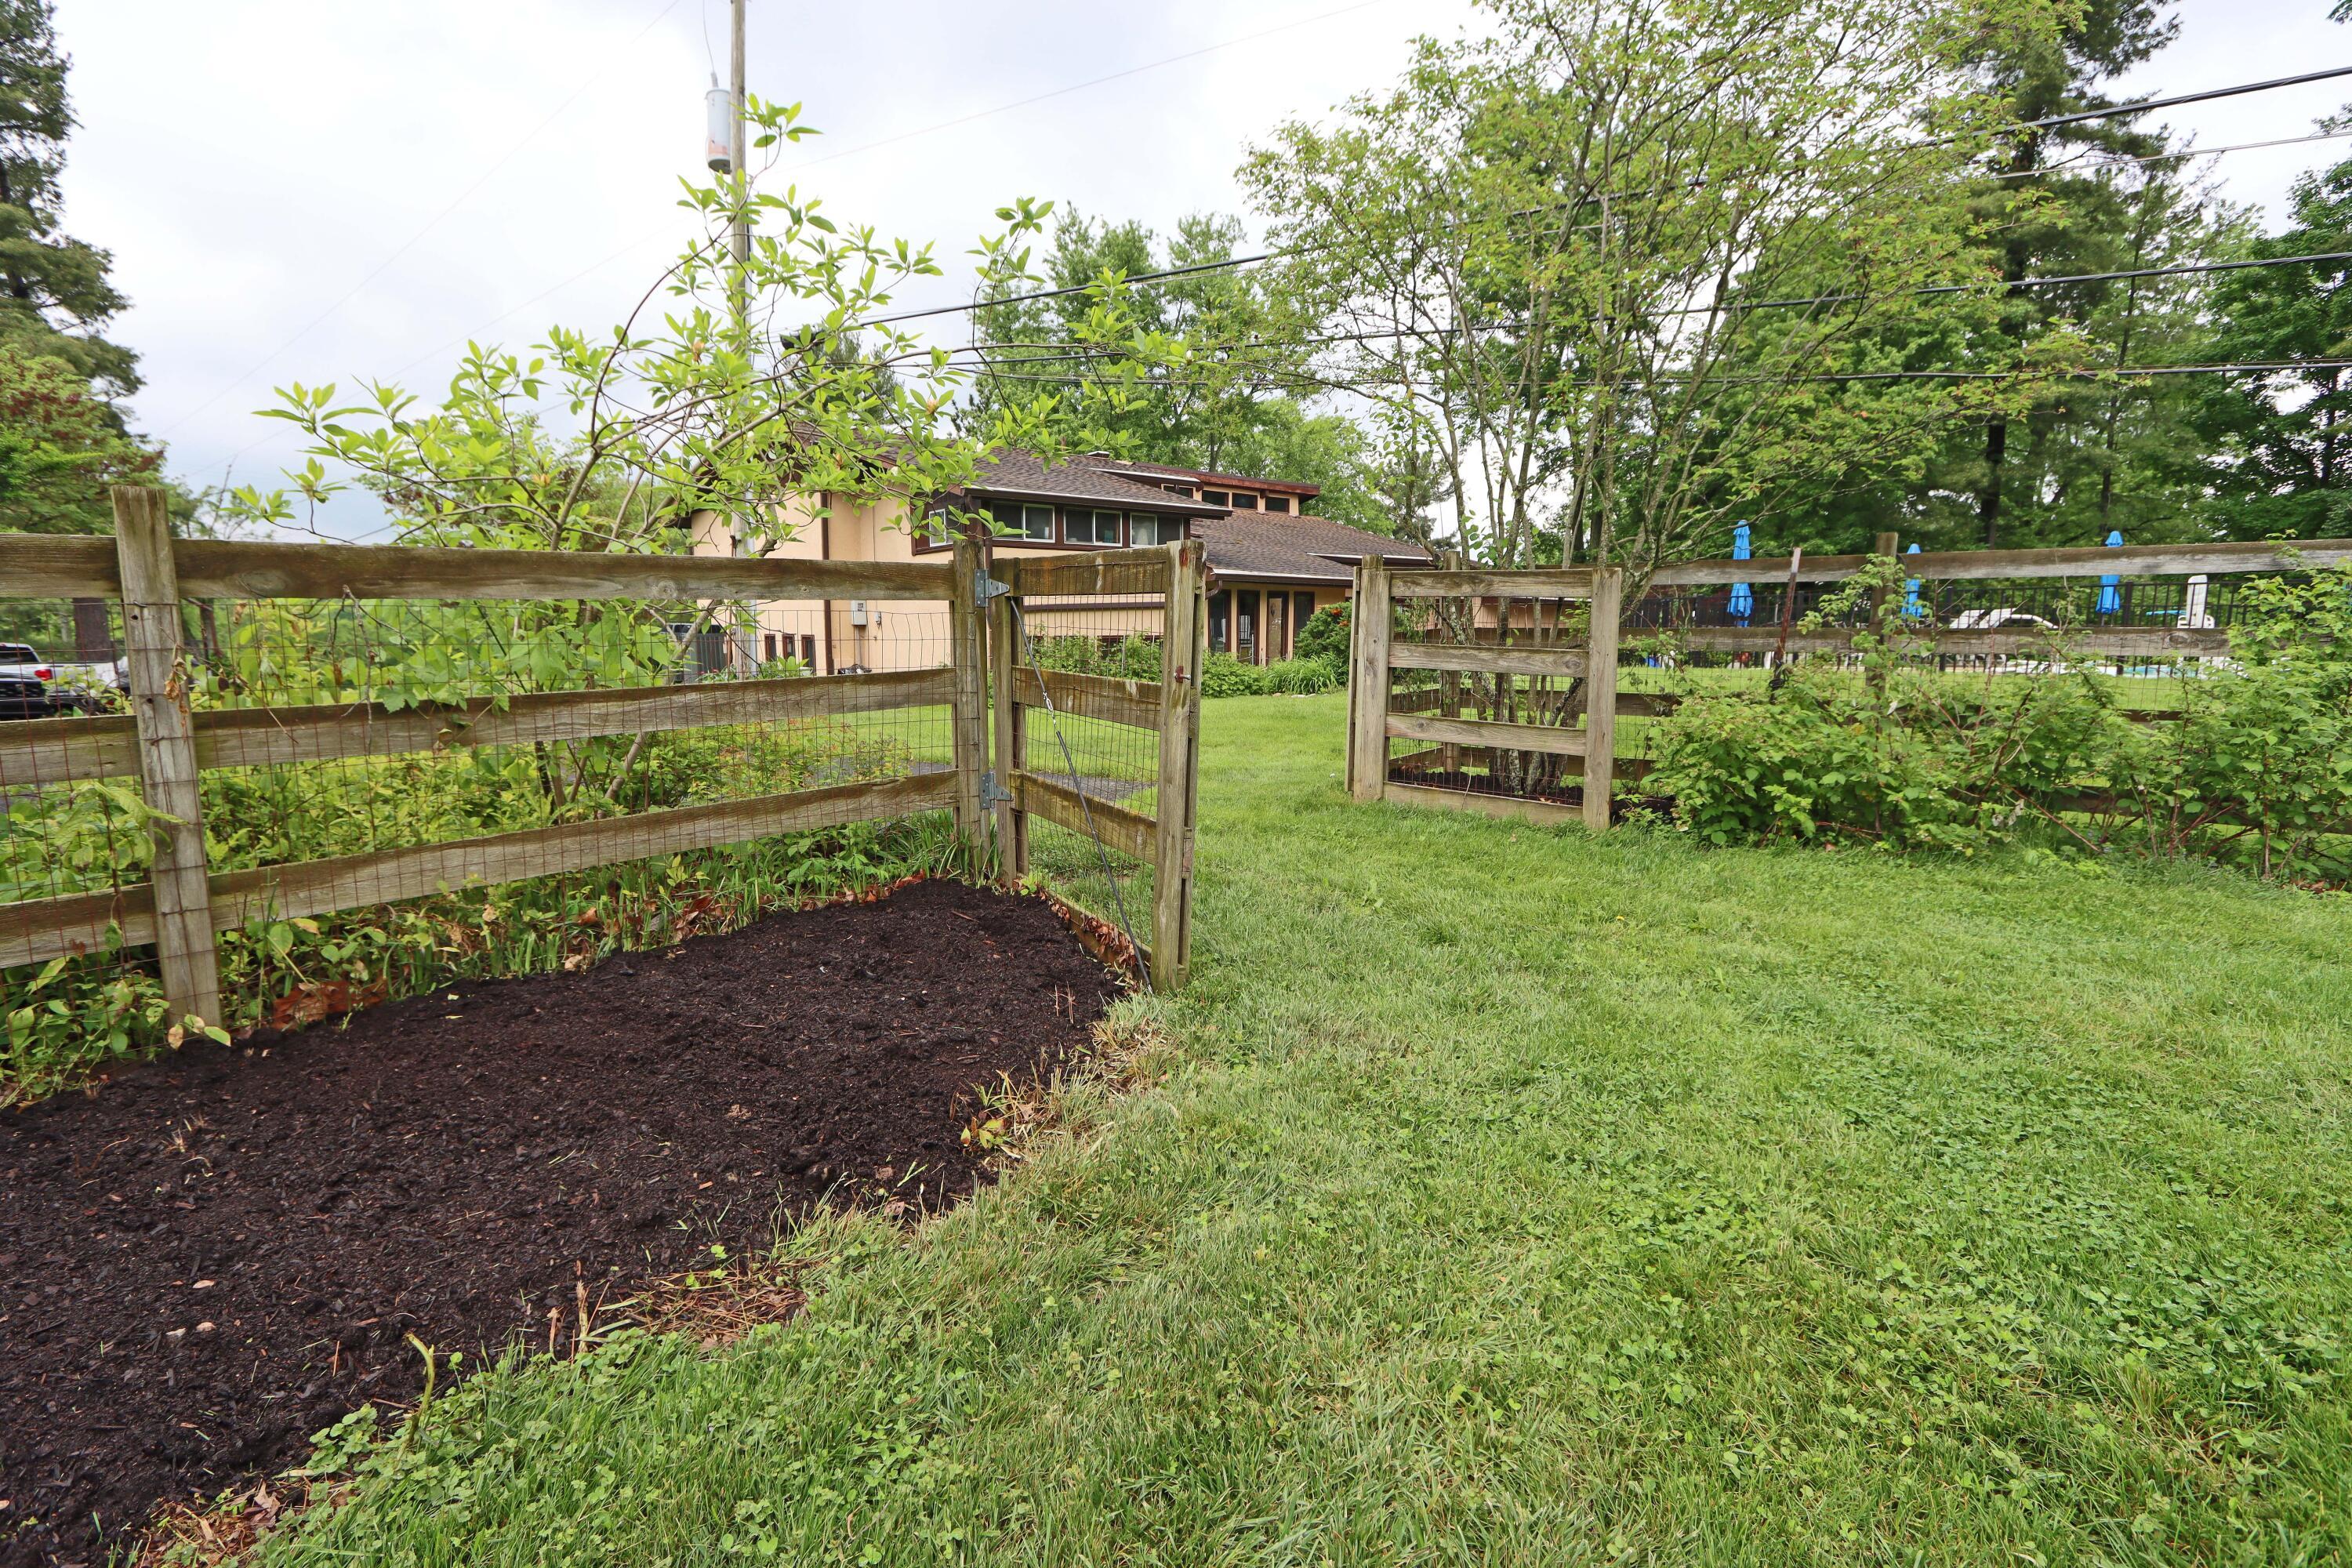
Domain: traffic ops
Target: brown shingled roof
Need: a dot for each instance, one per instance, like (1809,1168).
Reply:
(1210,477)
(1306,549)
(1022,476)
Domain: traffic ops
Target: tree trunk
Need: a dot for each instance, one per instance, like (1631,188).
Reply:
(1989,499)
(93,639)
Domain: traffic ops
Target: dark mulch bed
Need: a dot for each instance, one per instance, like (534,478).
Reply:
(220,1253)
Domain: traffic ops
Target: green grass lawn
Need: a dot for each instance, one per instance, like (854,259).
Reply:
(1510,1196)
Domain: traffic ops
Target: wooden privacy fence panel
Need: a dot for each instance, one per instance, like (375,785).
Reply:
(1377,715)
(167,748)
(1040,606)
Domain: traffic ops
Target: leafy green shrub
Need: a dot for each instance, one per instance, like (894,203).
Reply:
(1225,676)
(1324,636)
(2257,772)
(1829,756)
(1073,656)
(1303,676)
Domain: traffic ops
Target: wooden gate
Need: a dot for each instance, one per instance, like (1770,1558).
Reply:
(1502,650)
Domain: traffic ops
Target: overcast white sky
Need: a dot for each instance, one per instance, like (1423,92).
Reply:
(326,190)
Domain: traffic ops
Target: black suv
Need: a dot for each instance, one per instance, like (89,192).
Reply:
(23,683)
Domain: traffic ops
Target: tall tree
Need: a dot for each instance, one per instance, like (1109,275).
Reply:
(2278,444)
(2050,214)
(1560,253)
(55,297)
(1198,371)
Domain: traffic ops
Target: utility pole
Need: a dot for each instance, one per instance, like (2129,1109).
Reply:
(738,150)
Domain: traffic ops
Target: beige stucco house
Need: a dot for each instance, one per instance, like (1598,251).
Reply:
(1271,563)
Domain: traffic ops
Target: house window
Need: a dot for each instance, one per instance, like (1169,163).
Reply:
(1245,503)
(1014,519)
(1277,626)
(1220,616)
(1091,526)
(1278,504)
(1216,498)
(1302,608)
(1143,529)
(808,651)
(769,643)
(1184,491)
(1245,626)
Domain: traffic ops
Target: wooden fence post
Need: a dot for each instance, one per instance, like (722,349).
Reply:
(1184,644)
(158,679)
(967,720)
(1600,696)
(1368,681)
(1004,661)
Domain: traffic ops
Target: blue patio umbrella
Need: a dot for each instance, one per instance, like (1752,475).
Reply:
(1742,604)
(1912,609)
(2110,599)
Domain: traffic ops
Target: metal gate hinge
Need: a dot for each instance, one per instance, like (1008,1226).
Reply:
(991,797)
(985,587)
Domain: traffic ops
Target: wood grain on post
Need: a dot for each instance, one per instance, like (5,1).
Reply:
(1004,667)
(158,678)
(1131,833)
(1368,682)
(968,711)
(1485,659)
(1600,696)
(1182,642)
(1141,704)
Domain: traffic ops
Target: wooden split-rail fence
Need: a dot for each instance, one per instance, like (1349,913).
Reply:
(991,789)
(1376,716)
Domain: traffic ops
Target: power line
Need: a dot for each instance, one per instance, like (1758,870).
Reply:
(2119,111)
(1090,82)
(2117,371)
(2144,107)
(2105,162)
(1388,334)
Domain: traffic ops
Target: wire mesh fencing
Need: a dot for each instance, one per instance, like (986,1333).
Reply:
(1108,770)
(1096,717)
(395,792)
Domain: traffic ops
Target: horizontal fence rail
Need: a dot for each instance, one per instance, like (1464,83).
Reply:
(42,567)
(1136,703)
(56,751)
(2095,560)
(36,932)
